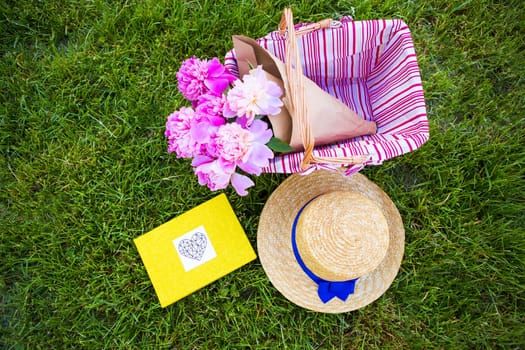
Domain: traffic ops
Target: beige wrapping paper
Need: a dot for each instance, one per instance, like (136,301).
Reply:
(329,118)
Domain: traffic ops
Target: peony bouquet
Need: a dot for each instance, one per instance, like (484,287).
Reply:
(224,131)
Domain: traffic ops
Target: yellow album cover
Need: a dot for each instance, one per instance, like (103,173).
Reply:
(194,249)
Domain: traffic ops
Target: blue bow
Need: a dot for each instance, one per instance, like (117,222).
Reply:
(327,290)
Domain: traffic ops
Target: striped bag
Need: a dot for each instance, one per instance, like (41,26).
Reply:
(371,66)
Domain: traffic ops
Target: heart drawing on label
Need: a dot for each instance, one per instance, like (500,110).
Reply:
(193,247)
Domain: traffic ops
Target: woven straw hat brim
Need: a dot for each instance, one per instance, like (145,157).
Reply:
(276,254)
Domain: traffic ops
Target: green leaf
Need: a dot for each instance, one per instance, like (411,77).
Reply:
(278,145)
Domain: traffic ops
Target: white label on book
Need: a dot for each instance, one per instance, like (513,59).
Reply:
(194,248)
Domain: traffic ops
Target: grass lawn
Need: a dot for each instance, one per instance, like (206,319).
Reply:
(85,90)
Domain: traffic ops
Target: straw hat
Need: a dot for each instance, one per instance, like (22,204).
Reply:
(330,243)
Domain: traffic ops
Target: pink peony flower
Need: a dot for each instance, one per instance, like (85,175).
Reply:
(178,132)
(245,148)
(217,174)
(260,154)
(211,104)
(255,95)
(233,143)
(213,173)
(197,77)
(189,133)
(204,130)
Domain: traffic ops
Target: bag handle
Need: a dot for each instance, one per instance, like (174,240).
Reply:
(295,89)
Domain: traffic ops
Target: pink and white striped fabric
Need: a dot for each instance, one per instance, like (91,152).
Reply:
(372,67)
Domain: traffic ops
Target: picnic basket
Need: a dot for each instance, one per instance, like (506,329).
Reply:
(370,66)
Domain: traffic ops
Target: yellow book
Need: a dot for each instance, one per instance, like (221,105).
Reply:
(194,249)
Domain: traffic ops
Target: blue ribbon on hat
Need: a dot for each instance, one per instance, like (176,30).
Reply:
(327,290)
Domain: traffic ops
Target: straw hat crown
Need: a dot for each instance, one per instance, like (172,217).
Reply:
(349,242)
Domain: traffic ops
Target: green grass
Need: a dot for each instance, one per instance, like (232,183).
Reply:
(85,89)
